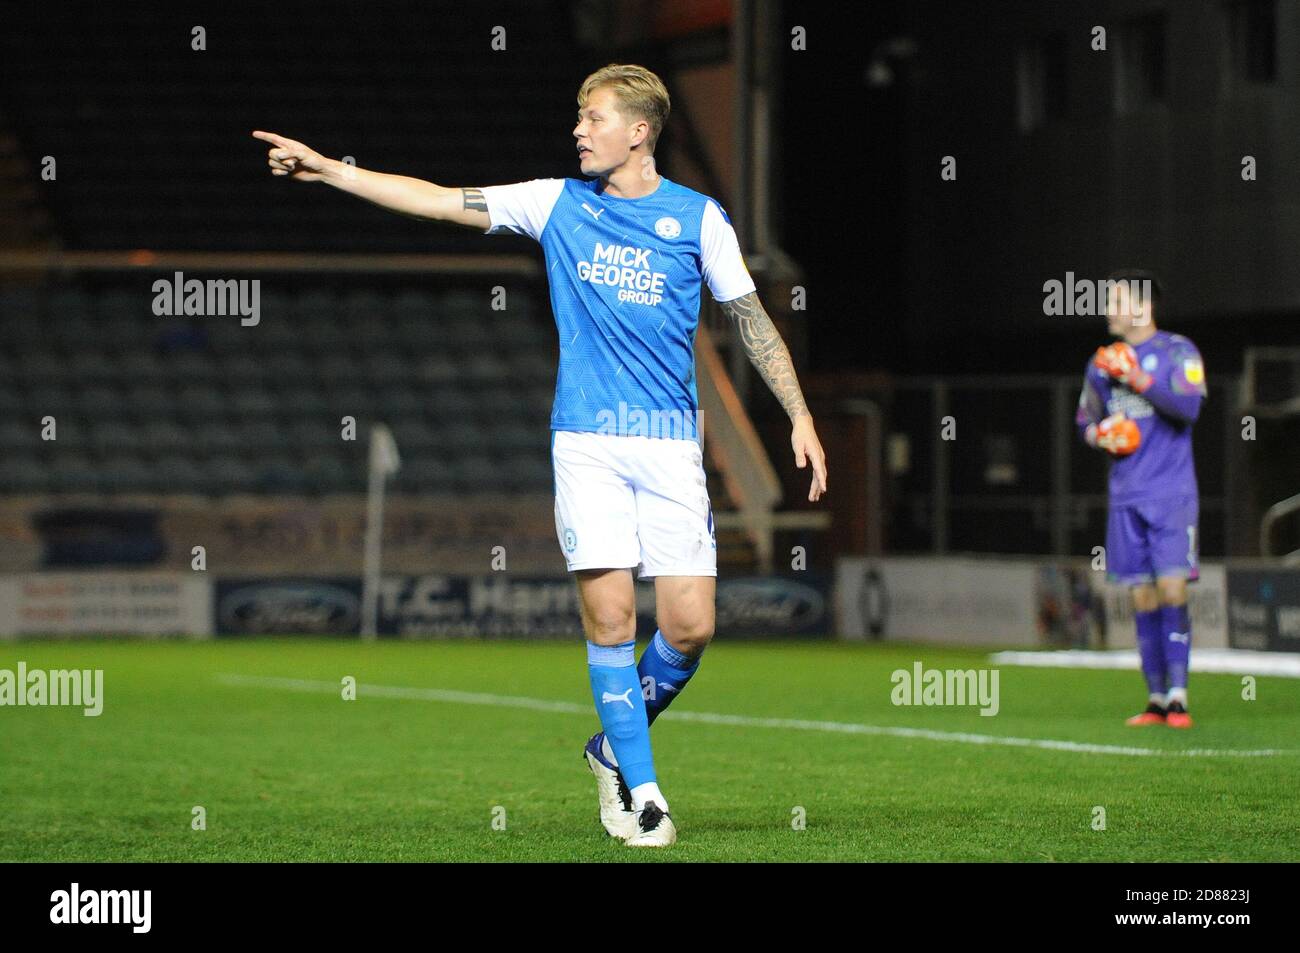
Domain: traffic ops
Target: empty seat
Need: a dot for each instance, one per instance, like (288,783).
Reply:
(141,367)
(497,403)
(52,400)
(394,403)
(313,434)
(201,402)
(414,436)
(288,367)
(534,367)
(148,401)
(415,332)
(459,436)
(529,473)
(22,474)
(43,369)
(188,367)
(126,475)
(17,436)
(424,474)
(315,303)
(71,302)
(73,473)
(261,435)
(363,306)
(280,474)
(178,474)
(224,476)
(70,433)
(336,370)
(327,473)
(98,403)
(449,405)
(77,331)
(252,401)
(516,335)
(478,473)
(388,368)
(216,438)
(93,367)
(114,435)
(354,402)
(438,369)
(413,303)
(163,437)
(129,303)
(514,436)
(303,401)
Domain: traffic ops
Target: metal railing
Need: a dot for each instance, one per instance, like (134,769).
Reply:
(1272,516)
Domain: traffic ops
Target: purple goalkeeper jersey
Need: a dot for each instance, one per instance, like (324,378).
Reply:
(1161,467)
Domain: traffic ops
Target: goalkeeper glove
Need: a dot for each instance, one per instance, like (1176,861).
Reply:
(1120,361)
(1117,435)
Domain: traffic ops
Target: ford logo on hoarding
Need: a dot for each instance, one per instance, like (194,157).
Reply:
(288,608)
(778,605)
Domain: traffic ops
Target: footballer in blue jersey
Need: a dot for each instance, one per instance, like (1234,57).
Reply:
(628,253)
(1140,398)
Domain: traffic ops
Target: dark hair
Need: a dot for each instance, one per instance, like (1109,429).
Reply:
(1140,274)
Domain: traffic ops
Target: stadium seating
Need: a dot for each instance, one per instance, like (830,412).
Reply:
(421,93)
(144,404)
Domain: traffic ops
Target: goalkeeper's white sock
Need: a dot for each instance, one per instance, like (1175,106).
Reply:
(1178,695)
(1158,698)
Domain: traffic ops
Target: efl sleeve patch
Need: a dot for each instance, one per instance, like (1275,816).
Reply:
(1189,377)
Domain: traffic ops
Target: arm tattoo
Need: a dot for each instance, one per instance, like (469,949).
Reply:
(473,200)
(767,352)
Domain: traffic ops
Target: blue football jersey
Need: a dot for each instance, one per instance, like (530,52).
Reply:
(625,278)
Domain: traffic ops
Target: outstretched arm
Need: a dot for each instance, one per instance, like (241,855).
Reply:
(771,358)
(415,198)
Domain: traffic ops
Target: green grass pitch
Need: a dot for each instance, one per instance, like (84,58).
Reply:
(304,775)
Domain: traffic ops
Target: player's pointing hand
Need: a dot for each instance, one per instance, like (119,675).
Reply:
(807,447)
(292,158)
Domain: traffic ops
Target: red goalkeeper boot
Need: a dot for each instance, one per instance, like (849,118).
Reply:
(1154,715)
(1177,716)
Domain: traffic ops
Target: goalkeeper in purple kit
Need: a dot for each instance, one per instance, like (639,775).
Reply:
(1141,396)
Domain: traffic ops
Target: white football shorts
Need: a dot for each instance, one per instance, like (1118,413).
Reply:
(632,501)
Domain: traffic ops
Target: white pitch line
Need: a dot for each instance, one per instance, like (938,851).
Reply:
(744,721)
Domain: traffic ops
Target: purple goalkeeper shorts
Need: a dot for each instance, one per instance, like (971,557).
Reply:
(1145,541)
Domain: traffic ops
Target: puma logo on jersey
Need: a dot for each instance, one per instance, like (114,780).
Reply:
(607,697)
(594,213)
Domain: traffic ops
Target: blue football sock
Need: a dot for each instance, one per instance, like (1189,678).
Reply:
(616,691)
(1176,627)
(664,672)
(1151,649)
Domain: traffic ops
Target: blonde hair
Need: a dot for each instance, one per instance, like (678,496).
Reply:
(640,93)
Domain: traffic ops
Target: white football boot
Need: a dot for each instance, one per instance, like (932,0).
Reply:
(616,814)
(655,828)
